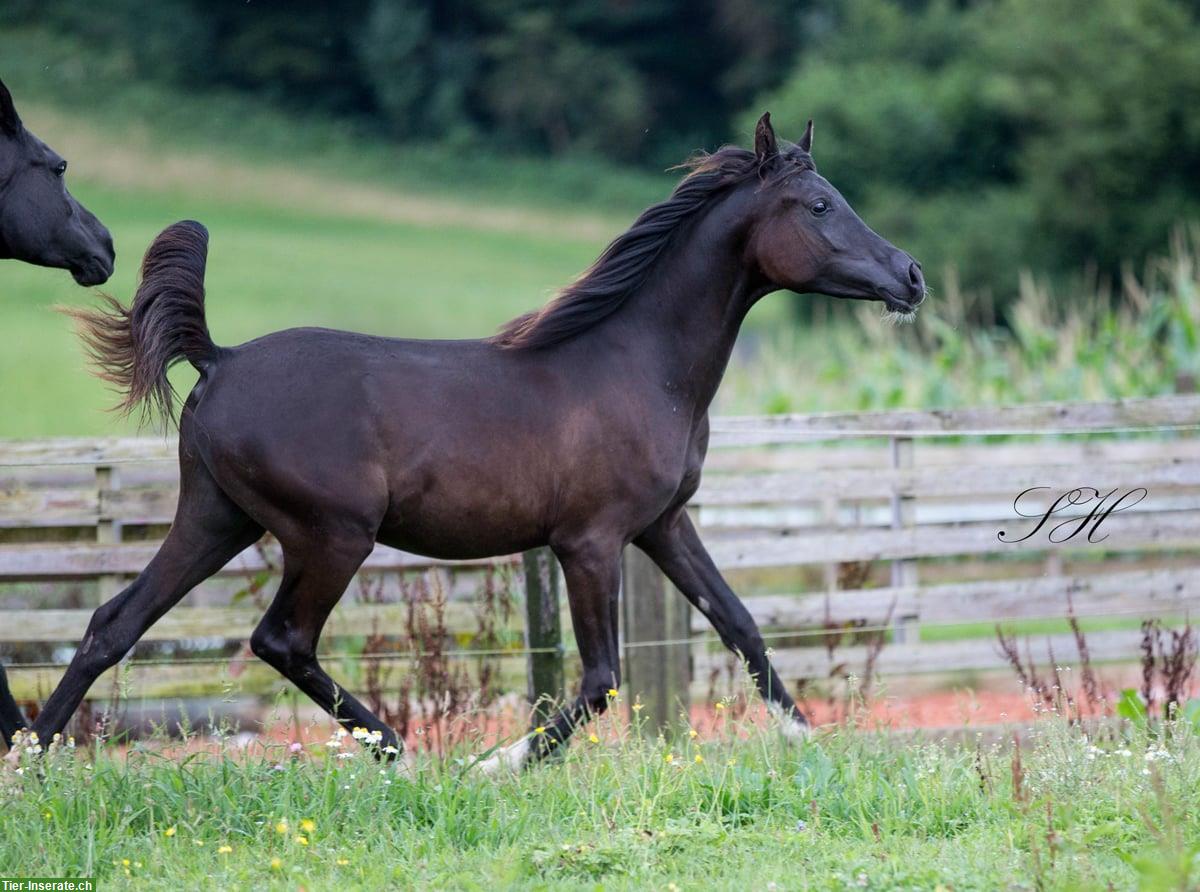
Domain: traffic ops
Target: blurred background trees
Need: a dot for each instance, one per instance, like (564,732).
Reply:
(991,135)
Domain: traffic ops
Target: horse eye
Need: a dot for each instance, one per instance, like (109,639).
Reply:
(61,169)
(820,207)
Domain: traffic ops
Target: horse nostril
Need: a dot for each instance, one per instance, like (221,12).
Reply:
(916,281)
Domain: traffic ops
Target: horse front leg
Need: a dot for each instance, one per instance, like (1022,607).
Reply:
(674,545)
(12,719)
(592,569)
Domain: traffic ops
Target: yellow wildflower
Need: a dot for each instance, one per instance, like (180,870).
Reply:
(276,864)
(593,738)
(169,832)
(693,733)
(699,759)
(308,825)
(342,862)
(612,693)
(720,706)
(225,850)
(302,840)
(540,729)
(281,828)
(669,757)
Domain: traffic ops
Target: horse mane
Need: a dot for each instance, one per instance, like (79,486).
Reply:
(627,261)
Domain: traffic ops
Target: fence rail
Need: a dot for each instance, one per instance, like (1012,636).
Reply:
(823,520)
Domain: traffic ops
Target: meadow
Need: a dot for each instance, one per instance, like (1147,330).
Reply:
(342,231)
(313,224)
(288,247)
(732,808)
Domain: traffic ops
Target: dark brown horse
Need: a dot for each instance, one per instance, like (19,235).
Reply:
(582,426)
(42,223)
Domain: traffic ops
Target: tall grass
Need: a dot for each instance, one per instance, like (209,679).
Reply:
(1088,345)
(731,808)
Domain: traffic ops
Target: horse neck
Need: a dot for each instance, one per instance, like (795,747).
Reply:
(683,322)
(7,172)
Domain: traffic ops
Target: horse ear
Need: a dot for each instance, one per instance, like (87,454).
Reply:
(765,146)
(805,143)
(10,123)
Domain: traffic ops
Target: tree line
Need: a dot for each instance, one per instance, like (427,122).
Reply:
(993,135)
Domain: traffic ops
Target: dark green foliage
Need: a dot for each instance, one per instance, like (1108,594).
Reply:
(991,135)
(1007,134)
(420,65)
(642,82)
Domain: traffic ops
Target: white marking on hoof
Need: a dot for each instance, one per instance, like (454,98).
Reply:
(510,757)
(795,731)
(405,765)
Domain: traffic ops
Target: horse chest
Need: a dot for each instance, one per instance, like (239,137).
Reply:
(694,462)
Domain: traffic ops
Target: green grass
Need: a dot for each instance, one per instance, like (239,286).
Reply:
(313,222)
(848,810)
(1026,627)
(269,269)
(318,222)
(292,243)
(102,88)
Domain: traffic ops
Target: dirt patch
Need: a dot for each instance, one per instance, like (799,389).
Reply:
(931,710)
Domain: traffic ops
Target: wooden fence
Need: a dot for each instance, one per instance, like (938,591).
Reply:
(880,519)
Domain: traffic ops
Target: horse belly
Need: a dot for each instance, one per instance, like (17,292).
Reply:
(456,519)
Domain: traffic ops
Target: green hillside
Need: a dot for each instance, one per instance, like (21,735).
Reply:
(292,244)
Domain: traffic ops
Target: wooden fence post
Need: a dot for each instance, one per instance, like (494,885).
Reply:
(659,674)
(108,530)
(830,521)
(543,630)
(904,572)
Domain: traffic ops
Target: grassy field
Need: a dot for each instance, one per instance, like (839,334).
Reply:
(313,222)
(735,810)
(318,222)
(288,248)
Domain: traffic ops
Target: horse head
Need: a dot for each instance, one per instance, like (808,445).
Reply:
(40,221)
(808,239)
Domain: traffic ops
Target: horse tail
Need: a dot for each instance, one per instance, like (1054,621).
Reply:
(132,348)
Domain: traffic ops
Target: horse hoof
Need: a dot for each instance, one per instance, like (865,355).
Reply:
(405,765)
(509,758)
(794,728)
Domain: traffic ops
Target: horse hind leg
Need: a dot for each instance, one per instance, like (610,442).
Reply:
(315,577)
(209,530)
